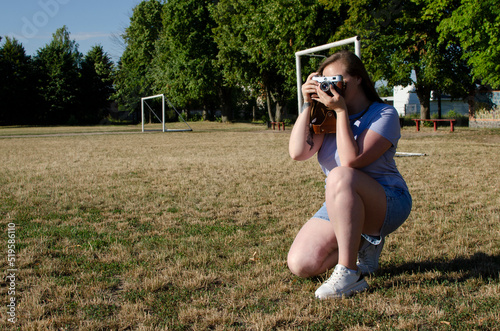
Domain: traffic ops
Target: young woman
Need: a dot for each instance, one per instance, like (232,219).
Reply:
(366,198)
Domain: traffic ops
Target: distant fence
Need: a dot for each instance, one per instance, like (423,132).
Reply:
(486,110)
(491,123)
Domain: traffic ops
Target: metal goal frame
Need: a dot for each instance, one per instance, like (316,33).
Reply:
(163,99)
(357,50)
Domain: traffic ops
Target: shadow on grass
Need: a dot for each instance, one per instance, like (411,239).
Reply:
(460,269)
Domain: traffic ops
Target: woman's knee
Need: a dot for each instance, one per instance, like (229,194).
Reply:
(305,265)
(340,179)
(294,264)
(300,266)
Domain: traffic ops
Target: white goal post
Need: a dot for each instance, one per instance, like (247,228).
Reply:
(162,120)
(357,51)
(143,102)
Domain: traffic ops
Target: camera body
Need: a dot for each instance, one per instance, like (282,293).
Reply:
(324,120)
(336,81)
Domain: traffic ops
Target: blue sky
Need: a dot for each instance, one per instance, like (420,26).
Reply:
(90,22)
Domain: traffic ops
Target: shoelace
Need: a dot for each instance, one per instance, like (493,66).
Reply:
(335,277)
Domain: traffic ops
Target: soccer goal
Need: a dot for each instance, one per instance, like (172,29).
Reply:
(145,105)
(298,64)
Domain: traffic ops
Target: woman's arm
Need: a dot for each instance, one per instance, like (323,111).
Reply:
(354,153)
(303,144)
(369,147)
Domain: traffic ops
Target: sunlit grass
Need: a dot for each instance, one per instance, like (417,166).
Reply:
(186,230)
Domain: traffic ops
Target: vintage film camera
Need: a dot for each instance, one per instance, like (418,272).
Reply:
(323,120)
(336,81)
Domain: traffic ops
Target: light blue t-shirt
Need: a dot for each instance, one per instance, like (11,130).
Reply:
(384,120)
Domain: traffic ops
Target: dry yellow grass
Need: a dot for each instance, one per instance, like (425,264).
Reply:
(190,230)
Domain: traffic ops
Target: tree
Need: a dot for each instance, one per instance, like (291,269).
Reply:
(17,92)
(185,67)
(476,25)
(133,80)
(96,85)
(400,37)
(57,65)
(257,41)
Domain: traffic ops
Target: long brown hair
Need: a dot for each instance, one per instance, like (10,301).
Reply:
(354,67)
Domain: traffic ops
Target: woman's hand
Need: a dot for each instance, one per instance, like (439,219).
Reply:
(309,88)
(334,101)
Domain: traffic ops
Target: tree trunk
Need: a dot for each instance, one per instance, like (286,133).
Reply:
(225,98)
(424,96)
(204,115)
(268,99)
(439,105)
(278,114)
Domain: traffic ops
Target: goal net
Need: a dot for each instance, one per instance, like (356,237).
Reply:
(145,106)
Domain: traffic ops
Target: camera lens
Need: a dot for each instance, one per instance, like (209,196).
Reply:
(325,86)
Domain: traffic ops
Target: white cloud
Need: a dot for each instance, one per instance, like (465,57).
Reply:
(89,35)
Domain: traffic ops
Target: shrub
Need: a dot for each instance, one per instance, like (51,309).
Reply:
(462,120)
(484,113)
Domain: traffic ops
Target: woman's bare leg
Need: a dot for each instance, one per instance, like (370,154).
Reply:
(356,204)
(314,249)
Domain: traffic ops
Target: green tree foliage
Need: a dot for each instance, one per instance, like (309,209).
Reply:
(57,86)
(257,41)
(184,66)
(400,37)
(58,65)
(17,91)
(476,25)
(96,85)
(133,79)
(198,52)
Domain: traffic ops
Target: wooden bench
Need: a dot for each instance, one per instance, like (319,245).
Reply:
(279,125)
(435,121)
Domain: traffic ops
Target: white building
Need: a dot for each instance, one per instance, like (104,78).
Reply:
(406,102)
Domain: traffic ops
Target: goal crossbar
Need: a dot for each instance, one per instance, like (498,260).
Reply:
(162,120)
(298,64)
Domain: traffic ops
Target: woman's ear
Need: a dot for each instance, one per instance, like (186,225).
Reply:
(359,80)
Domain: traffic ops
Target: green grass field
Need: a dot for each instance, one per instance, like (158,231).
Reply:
(121,230)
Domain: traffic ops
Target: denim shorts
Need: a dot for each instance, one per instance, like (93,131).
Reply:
(399,204)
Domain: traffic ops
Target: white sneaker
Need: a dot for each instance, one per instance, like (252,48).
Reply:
(342,282)
(368,257)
